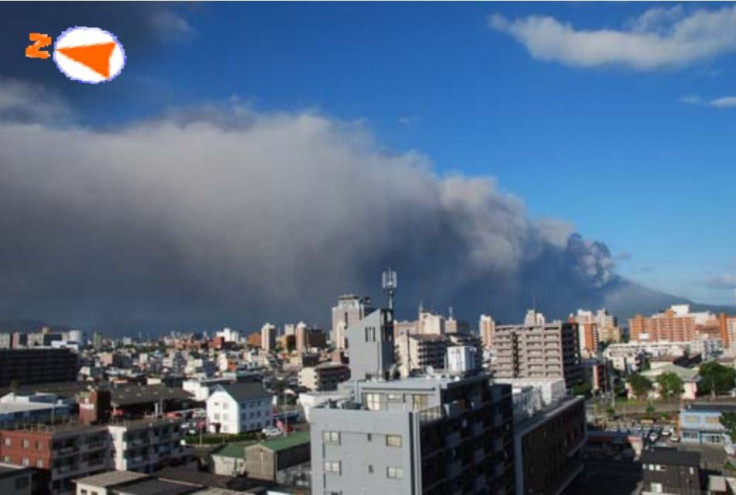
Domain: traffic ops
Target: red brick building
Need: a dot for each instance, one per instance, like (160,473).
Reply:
(60,453)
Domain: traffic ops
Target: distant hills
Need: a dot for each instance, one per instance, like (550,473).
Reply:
(625,299)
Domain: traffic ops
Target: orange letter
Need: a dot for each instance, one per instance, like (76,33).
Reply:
(41,41)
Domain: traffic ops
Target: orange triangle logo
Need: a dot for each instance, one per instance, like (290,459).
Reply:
(95,57)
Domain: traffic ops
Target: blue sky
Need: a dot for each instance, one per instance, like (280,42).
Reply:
(605,142)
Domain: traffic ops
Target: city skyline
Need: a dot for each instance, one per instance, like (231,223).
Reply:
(214,187)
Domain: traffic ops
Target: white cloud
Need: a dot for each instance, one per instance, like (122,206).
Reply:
(659,38)
(28,102)
(691,99)
(723,102)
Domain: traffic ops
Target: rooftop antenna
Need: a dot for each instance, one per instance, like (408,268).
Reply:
(389,286)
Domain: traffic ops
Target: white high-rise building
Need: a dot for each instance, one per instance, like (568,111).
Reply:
(350,309)
(268,337)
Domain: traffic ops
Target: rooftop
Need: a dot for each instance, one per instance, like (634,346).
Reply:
(232,450)
(682,372)
(670,457)
(285,442)
(718,406)
(10,468)
(111,478)
(146,423)
(156,487)
(246,391)
(137,394)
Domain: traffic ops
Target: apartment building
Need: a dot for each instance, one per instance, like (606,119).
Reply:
(549,433)
(420,435)
(487,329)
(323,377)
(238,408)
(350,309)
(146,445)
(537,349)
(37,365)
(419,352)
(676,324)
(60,453)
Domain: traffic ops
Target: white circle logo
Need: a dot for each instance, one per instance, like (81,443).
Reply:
(90,55)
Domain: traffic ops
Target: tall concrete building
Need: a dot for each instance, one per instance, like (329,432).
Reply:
(549,434)
(419,352)
(421,435)
(430,323)
(350,309)
(268,337)
(370,343)
(537,349)
(487,330)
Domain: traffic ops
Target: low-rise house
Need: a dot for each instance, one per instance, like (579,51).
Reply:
(239,408)
(229,460)
(265,460)
(16,480)
(689,376)
(105,483)
(669,471)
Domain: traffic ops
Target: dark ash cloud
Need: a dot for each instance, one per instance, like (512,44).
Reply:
(227,216)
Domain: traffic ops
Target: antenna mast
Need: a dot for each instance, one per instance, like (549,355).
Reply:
(389,286)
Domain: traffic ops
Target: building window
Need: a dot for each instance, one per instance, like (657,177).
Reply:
(395,397)
(419,401)
(370,468)
(369,437)
(39,445)
(331,437)
(394,472)
(84,492)
(332,467)
(7,442)
(656,487)
(26,462)
(393,440)
(39,464)
(6,458)
(26,444)
(373,402)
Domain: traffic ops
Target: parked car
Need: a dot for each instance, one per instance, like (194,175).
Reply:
(271,431)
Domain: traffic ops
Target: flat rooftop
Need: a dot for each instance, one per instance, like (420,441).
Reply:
(145,423)
(156,487)
(425,382)
(111,478)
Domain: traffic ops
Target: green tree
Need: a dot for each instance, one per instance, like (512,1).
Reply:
(584,389)
(670,386)
(716,379)
(640,385)
(728,420)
